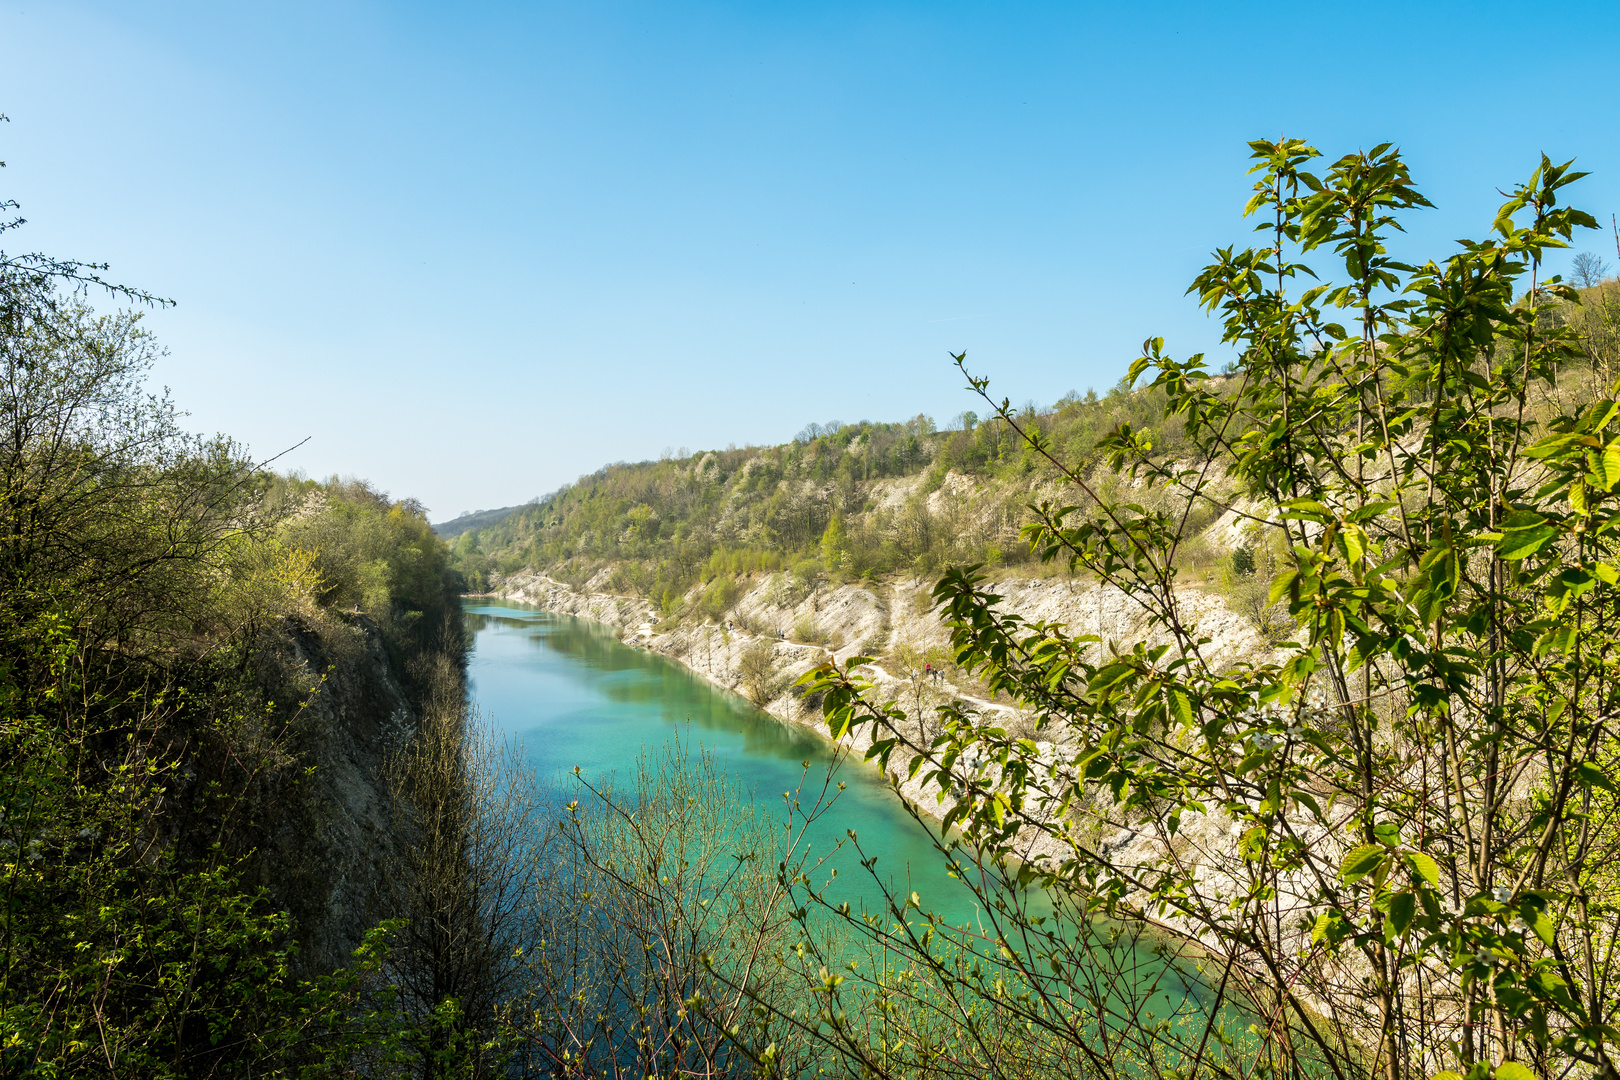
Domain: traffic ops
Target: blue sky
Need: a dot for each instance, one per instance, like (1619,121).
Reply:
(475,250)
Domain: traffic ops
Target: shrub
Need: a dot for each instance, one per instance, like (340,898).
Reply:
(721,594)
(757,667)
(1389,842)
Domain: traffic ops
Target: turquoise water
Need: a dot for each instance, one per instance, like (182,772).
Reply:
(575,696)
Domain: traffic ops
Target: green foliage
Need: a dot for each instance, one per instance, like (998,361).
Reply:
(130,943)
(149,583)
(370,554)
(834,545)
(806,632)
(1246,585)
(757,666)
(718,598)
(1399,836)
(662,528)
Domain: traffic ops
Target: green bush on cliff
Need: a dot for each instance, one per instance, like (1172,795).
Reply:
(369,554)
(146,575)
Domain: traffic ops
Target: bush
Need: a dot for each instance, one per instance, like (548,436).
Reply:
(659,928)
(757,667)
(806,632)
(1390,840)
(719,597)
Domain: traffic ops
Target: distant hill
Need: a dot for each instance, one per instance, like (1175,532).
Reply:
(845,501)
(475,519)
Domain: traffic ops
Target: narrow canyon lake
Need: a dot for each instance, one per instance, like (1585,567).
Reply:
(575,696)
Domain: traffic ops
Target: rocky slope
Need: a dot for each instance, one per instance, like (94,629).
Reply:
(890,621)
(330,837)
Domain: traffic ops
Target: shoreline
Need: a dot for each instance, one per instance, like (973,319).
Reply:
(892,621)
(712,652)
(634,621)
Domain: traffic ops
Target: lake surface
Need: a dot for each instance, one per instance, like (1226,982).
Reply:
(576,696)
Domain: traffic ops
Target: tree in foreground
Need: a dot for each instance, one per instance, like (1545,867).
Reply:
(1394,841)
(151,790)
(654,923)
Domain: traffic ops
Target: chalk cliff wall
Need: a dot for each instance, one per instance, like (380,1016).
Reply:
(891,622)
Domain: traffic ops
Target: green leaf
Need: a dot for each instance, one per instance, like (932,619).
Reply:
(1512,1070)
(1327,926)
(1361,861)
(1370,511)
(1522,543)
(1355,543)
(1402,907)
(1606,466)
(1590,775)
(1598,416)
(1542,924)
(1424,866)
(1180,705)
(1559,639)
(1522,519)
(1110,676)
(1366,647)
(1306,510)
(1446,1074)
(1281,586)
(1550,446)
(1577,496)
(1307,800)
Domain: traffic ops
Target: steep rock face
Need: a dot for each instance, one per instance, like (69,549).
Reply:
(330,835)
(891,622)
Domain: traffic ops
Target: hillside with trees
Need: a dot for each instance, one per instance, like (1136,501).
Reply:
(214,685)
(863,501)
(854,501)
